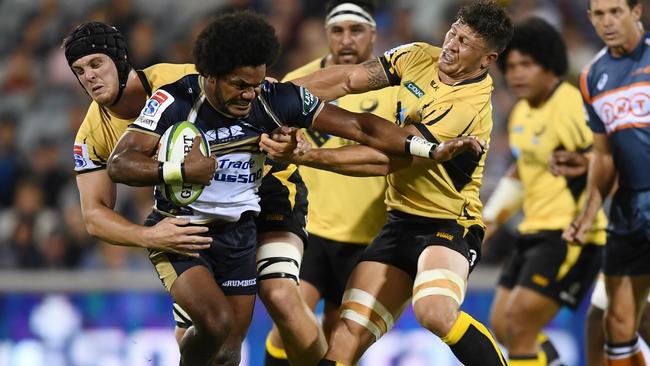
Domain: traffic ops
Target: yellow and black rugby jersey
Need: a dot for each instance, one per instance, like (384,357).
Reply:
(440,112)
(551,202)
(100,131)
(343,208)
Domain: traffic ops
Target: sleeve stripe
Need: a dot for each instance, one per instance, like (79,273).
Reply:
(393,78)
(426,133)
(584,88)
(432,122)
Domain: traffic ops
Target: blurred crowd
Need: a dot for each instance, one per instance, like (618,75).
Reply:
(42,104)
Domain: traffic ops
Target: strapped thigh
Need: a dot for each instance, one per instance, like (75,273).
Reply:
(441,282)
(278,260)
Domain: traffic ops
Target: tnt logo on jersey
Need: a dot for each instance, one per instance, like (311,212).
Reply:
(624,108)
(82,159)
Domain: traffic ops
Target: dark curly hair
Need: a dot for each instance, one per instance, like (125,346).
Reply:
(232,40)
(489,20)
(542,42)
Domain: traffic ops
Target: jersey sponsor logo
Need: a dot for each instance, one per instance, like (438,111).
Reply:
(472,257)
(224,133)
(309,101)
(153,109)
(624,108)
(390,52)
(248,176)
(82,159)
(239,283)
(446,236)
(602,81)
(414,89)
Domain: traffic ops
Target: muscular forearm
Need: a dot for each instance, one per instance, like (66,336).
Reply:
(107,225)
(355,160)
(133,168)
(327,84)
(600,180)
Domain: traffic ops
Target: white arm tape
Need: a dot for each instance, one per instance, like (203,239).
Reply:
(506,199)
(172,173)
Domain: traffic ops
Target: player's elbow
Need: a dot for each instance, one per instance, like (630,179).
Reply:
(115,168)
(92,222)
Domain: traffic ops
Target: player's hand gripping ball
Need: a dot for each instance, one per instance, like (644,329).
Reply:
(174,144)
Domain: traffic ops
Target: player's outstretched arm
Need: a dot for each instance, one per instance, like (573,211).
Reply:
(131,162)
(97,194)
(360,160)
(600,180)
(338,80)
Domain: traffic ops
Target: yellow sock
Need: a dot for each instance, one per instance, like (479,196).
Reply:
(472,343)
(275,356)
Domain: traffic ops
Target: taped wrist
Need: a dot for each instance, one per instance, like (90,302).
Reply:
(506,199)
(417,146)
(171,172)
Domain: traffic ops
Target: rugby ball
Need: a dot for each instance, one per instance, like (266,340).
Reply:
(174,144)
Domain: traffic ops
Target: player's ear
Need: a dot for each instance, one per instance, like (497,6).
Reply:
(488,59)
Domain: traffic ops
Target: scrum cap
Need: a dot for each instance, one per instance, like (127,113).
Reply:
(97,37)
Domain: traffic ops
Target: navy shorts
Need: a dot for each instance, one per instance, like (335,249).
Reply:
(628,235)
(230,258)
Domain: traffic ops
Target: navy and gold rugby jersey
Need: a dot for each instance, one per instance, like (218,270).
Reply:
(343,208)
(100,131)
(233,141)
(615,93)
(551,202)
(440,112)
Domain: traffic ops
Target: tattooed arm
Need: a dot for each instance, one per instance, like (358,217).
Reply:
(336,81)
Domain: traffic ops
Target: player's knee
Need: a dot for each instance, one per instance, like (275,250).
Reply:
(518,318)
(277,295)
(436,313)
(437,295)
(228,356)
(620,325)
(215,325)
(498,325)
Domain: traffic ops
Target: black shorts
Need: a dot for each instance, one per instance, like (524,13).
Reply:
(230,258)
(327,264)
(404,237)
(628,235)
(283,199)
(545,263)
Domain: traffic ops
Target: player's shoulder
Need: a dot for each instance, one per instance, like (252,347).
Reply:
(163,74)
(94,117)
(415,49)
(305,69)
(567,95)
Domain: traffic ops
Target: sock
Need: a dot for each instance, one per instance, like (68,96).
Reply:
(274,356)
(624,354)
(472,343)
(531,360)
(552,356)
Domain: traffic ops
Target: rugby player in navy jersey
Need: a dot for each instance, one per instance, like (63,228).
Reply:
(231,98)
(614,88)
